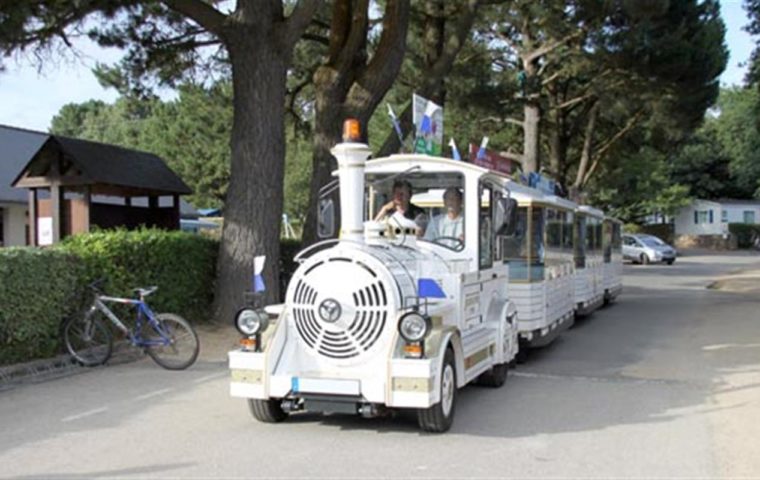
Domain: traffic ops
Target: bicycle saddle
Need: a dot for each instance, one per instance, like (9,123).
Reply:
(144,292)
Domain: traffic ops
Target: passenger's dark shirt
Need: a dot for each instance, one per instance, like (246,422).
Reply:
(411,213)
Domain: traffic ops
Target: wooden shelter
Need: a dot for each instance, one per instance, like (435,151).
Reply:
(75,184)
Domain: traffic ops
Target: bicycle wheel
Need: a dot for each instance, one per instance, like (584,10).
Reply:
(88,339)
(172,343)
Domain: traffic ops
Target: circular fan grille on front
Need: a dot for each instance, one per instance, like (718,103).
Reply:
(362,302)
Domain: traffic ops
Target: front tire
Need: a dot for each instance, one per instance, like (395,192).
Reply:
(267,411)
(182,348)
(644,259)
(495,377)
(439,417)
(88,339)
(670,262)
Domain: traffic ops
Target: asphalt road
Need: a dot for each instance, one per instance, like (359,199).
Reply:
(664,383)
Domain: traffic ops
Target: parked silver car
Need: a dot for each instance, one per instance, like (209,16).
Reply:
(644,249)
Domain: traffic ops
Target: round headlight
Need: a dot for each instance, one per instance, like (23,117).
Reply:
(250,322)
(413,327)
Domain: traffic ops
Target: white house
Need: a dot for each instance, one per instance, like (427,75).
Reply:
(711,217)
(702,217)
(740,211)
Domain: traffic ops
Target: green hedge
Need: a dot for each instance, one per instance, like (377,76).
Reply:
(37,289)
(181,264)
(40,287)
(745,233)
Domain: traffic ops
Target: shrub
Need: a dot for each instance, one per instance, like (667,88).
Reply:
(181,264)
(37,289)
(746,234)
(664,231)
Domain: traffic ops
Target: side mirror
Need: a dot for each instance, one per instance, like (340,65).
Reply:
(505,217)
(326,218)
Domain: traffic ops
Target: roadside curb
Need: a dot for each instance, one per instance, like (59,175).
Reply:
(61,366)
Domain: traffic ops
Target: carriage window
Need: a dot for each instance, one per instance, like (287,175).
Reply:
(580,241)
(485,227)
(567,233)
(515,247)
(553,229)
(607,241)
(616,238)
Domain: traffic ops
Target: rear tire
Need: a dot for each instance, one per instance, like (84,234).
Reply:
(267,411)
(87,339)
(182,351)
(439,417)
(495,377)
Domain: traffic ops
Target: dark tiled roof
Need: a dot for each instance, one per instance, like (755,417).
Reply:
(123,167)
(17,147)
(102,163)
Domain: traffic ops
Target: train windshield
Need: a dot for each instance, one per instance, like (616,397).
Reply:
(433,201)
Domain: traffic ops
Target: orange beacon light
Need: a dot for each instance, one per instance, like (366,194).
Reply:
(351,130)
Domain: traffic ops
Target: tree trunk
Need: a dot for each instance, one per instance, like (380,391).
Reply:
(587,143)
(531,129)
(255,195)
(348,86)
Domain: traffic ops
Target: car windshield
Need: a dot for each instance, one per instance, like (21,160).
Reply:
(652,241)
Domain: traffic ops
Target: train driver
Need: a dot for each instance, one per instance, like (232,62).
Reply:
(401,206)
(448,227)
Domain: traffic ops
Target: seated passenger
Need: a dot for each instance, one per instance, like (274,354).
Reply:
(401,206)
(448,228)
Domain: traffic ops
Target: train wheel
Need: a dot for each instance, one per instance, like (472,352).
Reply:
(439,417)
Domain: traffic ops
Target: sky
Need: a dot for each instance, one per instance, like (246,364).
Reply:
(30,98)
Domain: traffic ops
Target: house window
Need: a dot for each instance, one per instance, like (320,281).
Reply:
(724,216)
(749,216)
(702,216)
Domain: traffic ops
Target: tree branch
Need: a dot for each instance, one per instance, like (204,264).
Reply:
(540,52)
(587,141)
(570,103)
(297,22)
(200,12)
(608,144)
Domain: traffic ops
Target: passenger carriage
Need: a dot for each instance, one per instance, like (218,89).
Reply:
(540,257)
(380,319)
(589,259)
(613,258)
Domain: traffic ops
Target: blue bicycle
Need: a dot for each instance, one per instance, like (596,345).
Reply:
(167,338)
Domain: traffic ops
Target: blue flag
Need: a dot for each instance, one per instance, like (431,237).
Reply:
(429,288)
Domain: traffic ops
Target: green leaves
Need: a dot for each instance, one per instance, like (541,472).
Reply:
(38,288)
(182,265)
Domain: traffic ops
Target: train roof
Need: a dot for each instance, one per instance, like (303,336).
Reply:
(589,210)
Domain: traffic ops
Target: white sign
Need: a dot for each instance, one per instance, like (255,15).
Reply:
(45,231)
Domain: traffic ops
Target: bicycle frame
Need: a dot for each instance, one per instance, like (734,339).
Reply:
(143,311)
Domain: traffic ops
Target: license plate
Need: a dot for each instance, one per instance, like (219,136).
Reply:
(325,385)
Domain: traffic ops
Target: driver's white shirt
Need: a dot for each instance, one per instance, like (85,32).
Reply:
(443,226)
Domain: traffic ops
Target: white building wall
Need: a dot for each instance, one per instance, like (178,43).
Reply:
(14,224)
(685,225)
(735,212)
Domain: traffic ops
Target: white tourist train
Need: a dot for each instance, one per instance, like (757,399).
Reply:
(407,306)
